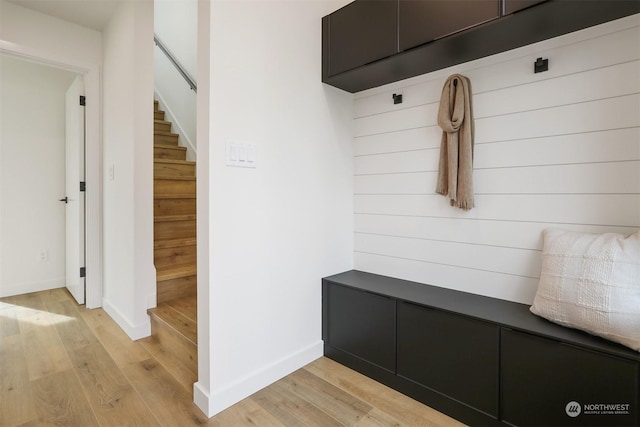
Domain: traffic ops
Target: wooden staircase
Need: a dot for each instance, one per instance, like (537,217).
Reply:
(174,340)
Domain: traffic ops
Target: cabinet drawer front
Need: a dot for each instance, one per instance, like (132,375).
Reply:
(451,354)
(541,377)
(362,32)
(362,324)
(424,21)
(511,6)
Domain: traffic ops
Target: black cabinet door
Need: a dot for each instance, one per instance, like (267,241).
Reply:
(361,32)
(421,21)
(511,6)
(451,354)
(545,382)
(361,324)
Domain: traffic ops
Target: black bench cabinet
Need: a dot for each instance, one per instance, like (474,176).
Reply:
(481,360)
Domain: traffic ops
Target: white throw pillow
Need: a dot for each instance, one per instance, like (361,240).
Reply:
(591,282)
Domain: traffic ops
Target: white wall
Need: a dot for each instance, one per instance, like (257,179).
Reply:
(201,389)
(39,37)
(554,149)
(175,24)
(32,175)
(129,278)
(36,34)
(276,230)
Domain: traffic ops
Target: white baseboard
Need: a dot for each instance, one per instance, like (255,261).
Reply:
(28,287)
(135,332)
(217,400)
(201,398)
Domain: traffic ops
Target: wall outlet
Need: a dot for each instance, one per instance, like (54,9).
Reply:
(43,255)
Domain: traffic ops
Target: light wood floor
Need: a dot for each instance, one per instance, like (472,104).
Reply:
(64,365)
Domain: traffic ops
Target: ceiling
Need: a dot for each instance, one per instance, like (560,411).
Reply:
(93,14)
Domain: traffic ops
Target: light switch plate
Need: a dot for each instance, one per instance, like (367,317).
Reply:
(241,154)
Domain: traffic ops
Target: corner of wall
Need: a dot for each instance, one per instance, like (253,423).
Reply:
(135,332)
(202,399)
(214,402)
(152,300)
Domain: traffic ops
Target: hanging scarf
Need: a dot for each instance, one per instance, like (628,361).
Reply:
(455,117)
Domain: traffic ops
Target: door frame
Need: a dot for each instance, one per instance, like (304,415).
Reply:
(74,194)
(93,159)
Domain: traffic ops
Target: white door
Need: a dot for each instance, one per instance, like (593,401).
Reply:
(74,130)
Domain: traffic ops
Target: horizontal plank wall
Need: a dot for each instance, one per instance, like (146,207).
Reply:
(553,149)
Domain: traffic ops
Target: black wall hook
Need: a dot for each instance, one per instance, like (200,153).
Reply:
(541,65)
(397,98)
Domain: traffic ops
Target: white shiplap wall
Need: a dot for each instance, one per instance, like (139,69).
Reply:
(553,149)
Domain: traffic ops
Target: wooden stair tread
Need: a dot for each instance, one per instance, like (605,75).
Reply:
(175,272)
(169,147)
(176,178)
(168,290)
(175,196)
(174,243)
(187,306)
(174,161)
(182,185)
(174,319)
(185,217)
(173,364)
(164,133)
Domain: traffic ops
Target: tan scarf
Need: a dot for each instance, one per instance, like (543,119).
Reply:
(455,117)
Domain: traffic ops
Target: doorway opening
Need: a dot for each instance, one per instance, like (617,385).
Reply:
(33,254)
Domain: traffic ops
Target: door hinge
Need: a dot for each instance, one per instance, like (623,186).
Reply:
(83,100)
(83,271)
(82,186)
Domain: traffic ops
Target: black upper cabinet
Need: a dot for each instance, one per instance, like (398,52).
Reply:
(511,6)
(424,21)
(361,32)
(369,43)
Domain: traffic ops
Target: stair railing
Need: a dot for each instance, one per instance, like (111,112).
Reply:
(190,80)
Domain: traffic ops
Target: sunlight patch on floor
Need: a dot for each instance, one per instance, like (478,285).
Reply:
(33,316)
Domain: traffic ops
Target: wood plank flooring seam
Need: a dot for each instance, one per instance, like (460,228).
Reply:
(116,367)
(122,383)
